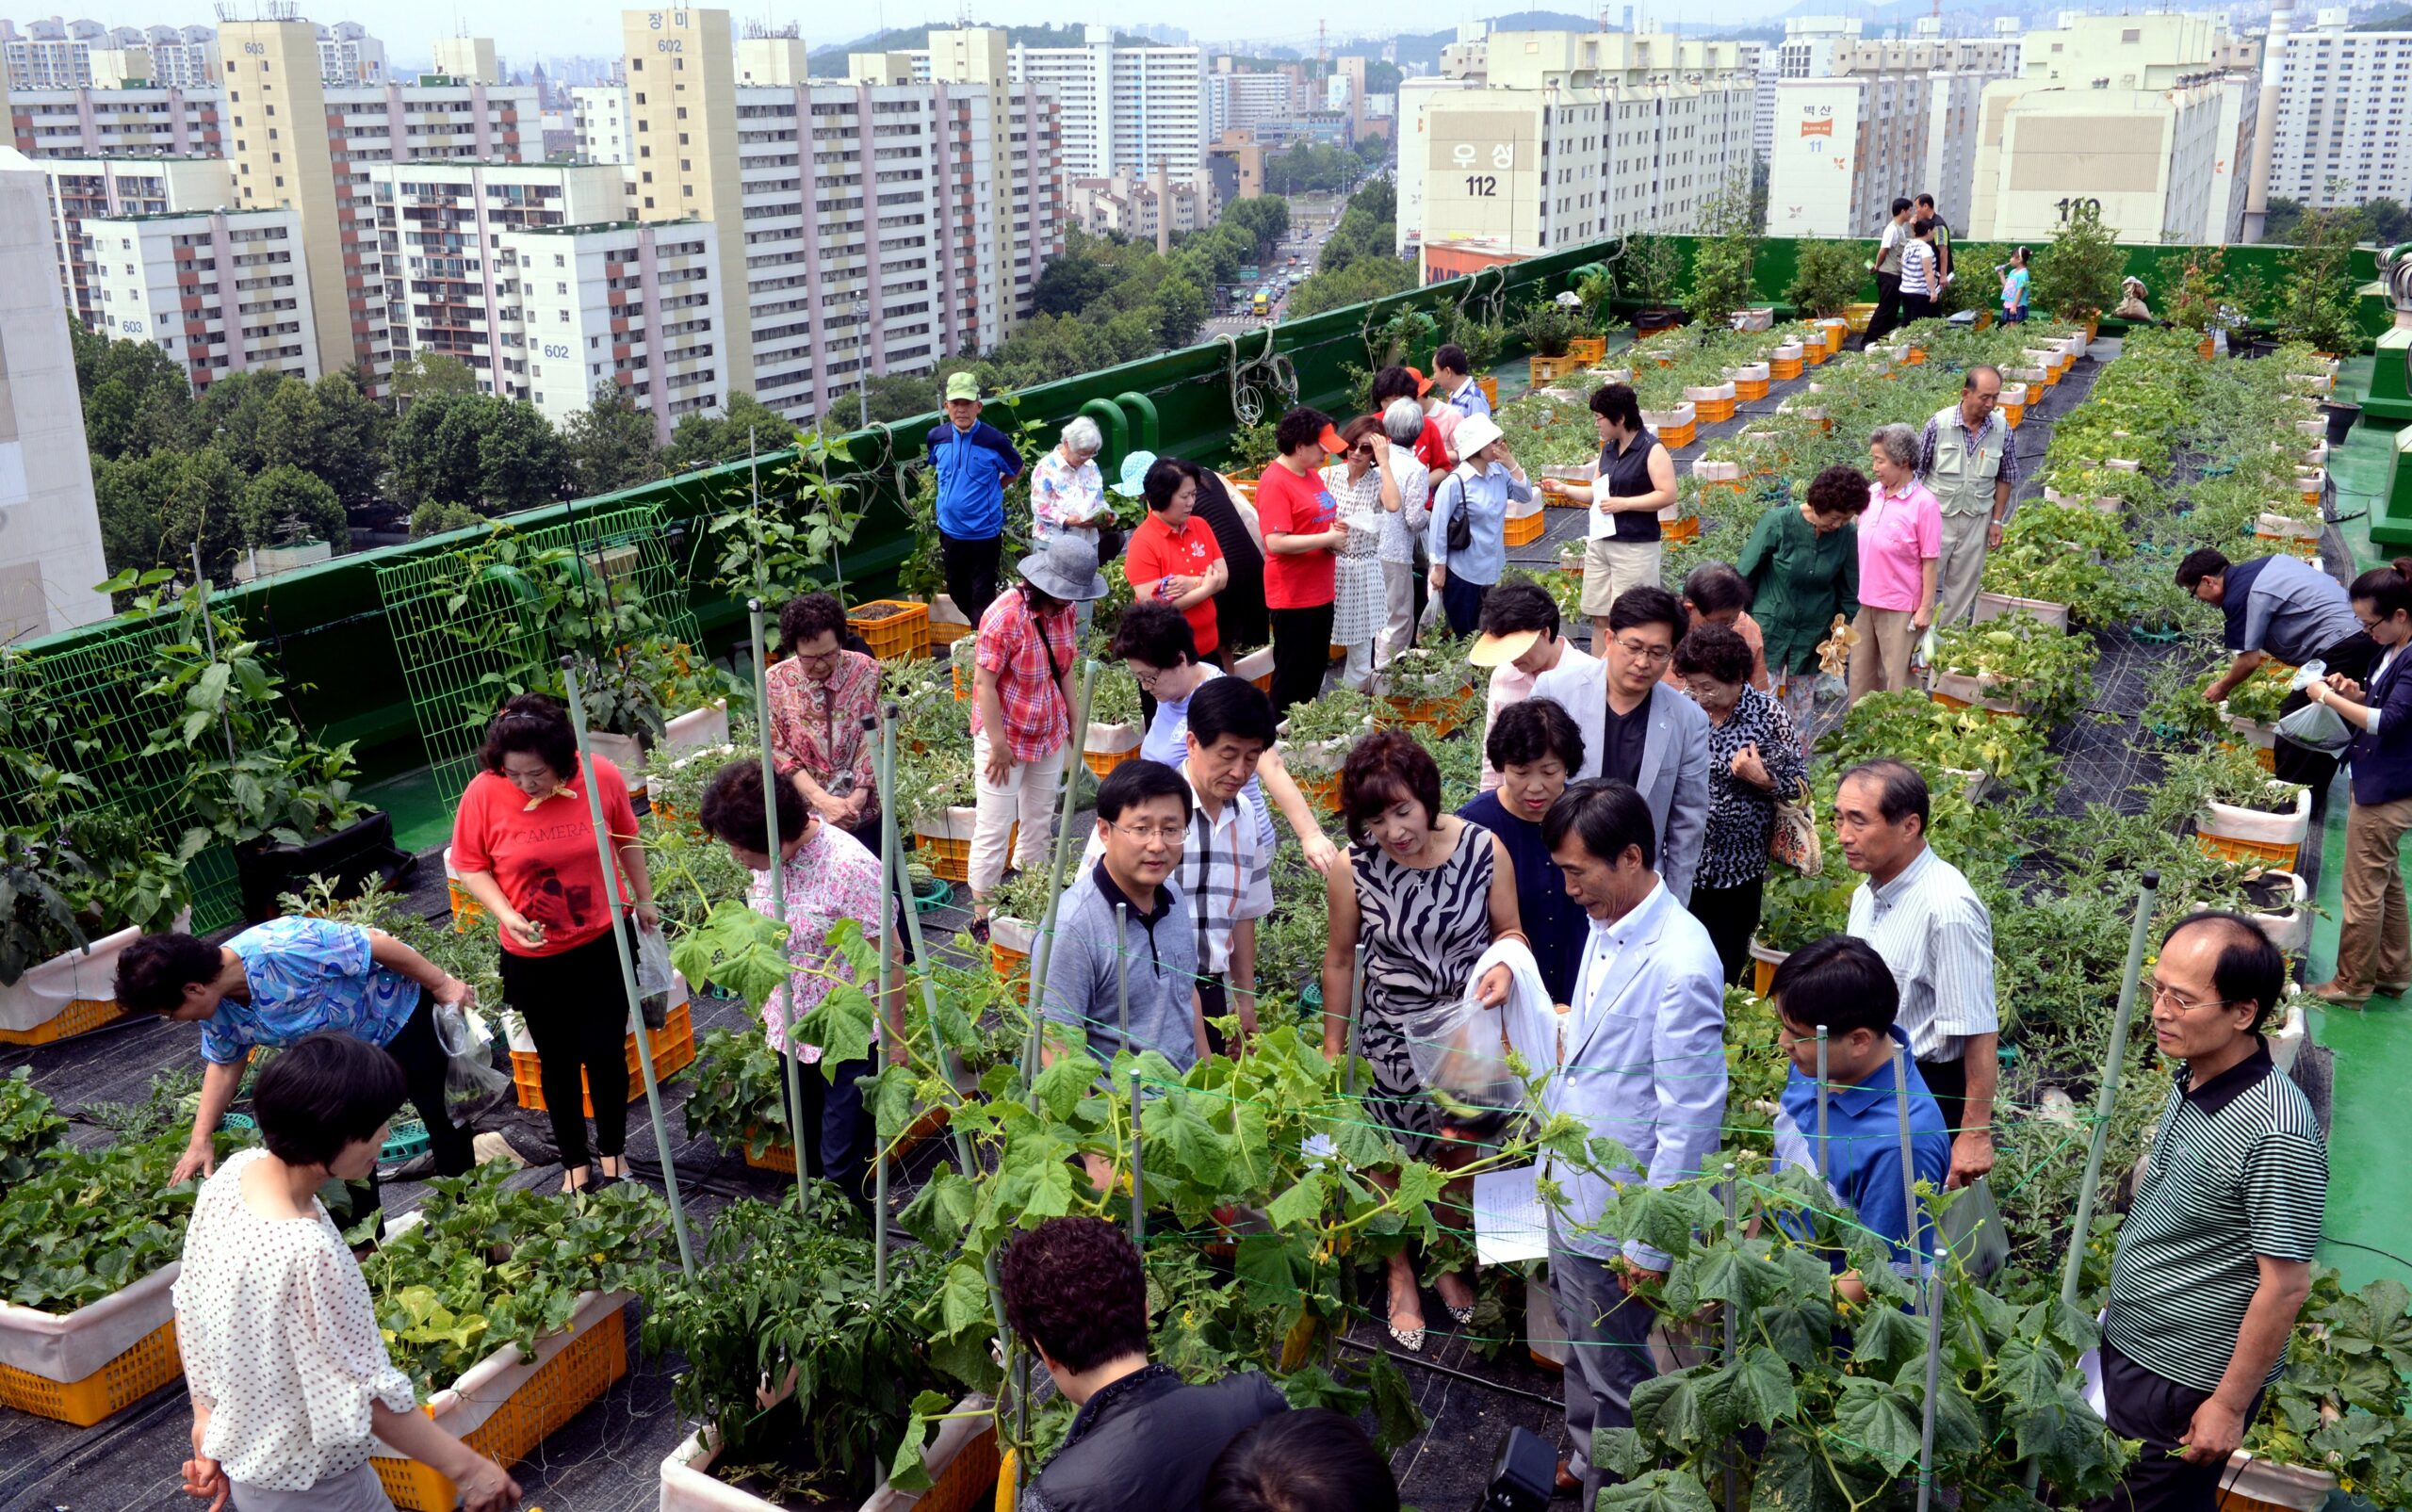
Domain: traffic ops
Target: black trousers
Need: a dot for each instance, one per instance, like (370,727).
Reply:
(1730,914)
(972,570)
(1948,1081)
(2159,1412)
(2354,656)
(421,1056)
(1301,653)
(1888,308)
(577,1009)
(834,1133)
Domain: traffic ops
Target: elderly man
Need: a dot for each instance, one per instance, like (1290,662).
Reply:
(1966,460)
(2287,608)
(1644,1065)
(974,461)
(1933,931)
(2214,1260)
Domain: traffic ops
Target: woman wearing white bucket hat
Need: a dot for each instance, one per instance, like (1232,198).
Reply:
(1477,492)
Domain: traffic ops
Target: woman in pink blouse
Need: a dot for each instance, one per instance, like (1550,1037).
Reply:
(819,695)
(1900,549)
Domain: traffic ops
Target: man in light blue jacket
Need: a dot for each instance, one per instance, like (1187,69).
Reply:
(1642,1062)
(1639,729)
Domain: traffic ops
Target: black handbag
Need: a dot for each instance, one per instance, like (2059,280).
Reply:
(1110,539)
(1460,532)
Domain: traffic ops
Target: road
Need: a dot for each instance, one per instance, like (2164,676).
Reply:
(1311,218)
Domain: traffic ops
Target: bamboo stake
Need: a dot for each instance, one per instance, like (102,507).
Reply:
(1045,947)
(785,991)
(1733,1471)
(889,944)
(1356,1015)
(1821,1106)
(2115,1060)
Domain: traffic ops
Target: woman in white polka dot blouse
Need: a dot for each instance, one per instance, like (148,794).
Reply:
(288,1373)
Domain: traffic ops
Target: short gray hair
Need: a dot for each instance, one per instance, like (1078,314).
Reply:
(1404,422)
(1081,434)
(1898,443)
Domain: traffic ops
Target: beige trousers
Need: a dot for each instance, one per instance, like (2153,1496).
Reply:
(2375,945)
(1963,566)
(1880,661)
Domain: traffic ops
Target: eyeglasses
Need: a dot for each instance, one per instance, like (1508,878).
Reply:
(1643,651)
(1366,451)
(2161,993)
(1150,834)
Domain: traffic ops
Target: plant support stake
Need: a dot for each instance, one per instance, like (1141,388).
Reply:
(1045,948)
(1929,1284)
(2113,1061)
(1356,1014)
(628,968)
(1138,1180)
(1122,971)
(1733,1471)
(888,877)
(786,989)
(1821,1106)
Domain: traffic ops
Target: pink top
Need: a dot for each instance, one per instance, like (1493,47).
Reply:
(1898,531)
(832,877)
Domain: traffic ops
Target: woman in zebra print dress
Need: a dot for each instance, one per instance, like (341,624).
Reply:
(1426,893)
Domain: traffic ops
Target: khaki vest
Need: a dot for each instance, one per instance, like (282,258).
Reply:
(1963,482)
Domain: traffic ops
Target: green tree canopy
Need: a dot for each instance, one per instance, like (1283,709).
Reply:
(611,444)
(286,504)
(709,440)
(155,507)
(136,397)
(1367,278)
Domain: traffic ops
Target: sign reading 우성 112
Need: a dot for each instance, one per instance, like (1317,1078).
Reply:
(1482,176)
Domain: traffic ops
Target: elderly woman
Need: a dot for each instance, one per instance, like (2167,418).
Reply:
(1485,479)
(1802,564)
(1404,422)
(1068,493)
(1366,491)
(1535,746)
(819,694)
(1426,892)
(290,1384)
(1754,758)
(1900,552)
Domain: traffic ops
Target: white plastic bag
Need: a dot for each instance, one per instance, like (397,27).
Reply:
(2314,727)
(653,962)
(472,1082)
(1460,1049)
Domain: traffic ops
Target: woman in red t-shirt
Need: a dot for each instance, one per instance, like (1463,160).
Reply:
(1302,536)
(523,844)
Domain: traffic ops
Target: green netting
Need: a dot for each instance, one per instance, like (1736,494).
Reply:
(85,711)
(466,623)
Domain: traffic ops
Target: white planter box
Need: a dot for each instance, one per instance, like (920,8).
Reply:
(698,727)
(2318,455)
(1980,689)
(1011,933)
(2033,377)
(1758,317)
(1111,740)
(2317,429)
(464,1407)
(2256,733)
(1748,373)
(1321,757)
(1527,507)
(1256,665)
(2014,393)
(69,1346)
(1716,472)
(2290,930)
(2285,527)
(1786,351)
(1999,606)
(955,825)
(2121,464)
(2287,1041)
(1708,393)
(687,1487)
(1681,415)
(2102,503)
(2292,1486)
(2232,824)
(89,975)
(622,751)
(1609,374)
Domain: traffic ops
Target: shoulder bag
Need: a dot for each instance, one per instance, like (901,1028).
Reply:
(1794,840)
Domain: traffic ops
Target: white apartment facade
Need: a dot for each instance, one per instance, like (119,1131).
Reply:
(1559,137)
(2343,96)
(1236,102)
(51,54)
(599,117)
(220,291)
(183,57)
(1139,208)
(1893,119)
(85,188)
(348,56)
(635,304)
(450,289)
(87,123)
(1121,110)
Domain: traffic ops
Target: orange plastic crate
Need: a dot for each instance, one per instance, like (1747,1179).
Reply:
(562,1386)
(2264,854)
(1715,412)
(79,1017)
(1685,528)
(1676,437)
(2013,413)
(152,1363)
(1011,969)
(1102,762)
(1546,368)
(1523,531)
(944,633)
(1323,791)
(779,1158)
(1588,348)
(901,634)
(673,1051)
(1813,353)
(1784,369)
(1751,389)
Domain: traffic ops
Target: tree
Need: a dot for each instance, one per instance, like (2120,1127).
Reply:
(418,377)
(1071,279)
(702,441)
(136,397)
(286,504)
(902,396)
(1367,278)
(434,449)
(1180,309)
(521,459)
(353,432)
(610,445)
(1265,218)
(2283,217)
(432,519)
(2078,274)
(156,508)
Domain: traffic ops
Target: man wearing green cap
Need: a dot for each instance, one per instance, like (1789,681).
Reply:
(974,463)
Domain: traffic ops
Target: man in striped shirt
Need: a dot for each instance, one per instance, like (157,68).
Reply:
(2214,1258)
(1935,934)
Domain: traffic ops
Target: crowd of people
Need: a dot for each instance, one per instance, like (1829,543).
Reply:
(1616,855)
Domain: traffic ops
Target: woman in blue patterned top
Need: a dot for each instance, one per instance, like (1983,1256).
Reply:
(283,981)
(1754,758)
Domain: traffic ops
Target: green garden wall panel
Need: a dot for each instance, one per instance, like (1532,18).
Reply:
(328,625)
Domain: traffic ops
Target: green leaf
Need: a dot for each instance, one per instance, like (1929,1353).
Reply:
(1064,1081)
(840,1025)
(940,1213)
(1756,1389)
(1673,1409)
(1661,1491)
(963,1300)
(1177,1138)
(906,1471)
(2031,1376)
(1880,1421)
(1302,1206)
(1886,1338)
(1396,1417)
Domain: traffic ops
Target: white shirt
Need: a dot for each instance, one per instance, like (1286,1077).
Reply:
(1934,932)
(280,1337)
(1403,525)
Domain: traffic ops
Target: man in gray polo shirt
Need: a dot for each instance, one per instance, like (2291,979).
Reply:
(2214,1258)
(1143,820)
(2287,608)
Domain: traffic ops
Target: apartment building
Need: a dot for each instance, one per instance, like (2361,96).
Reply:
(450,288)
(599,119)
(1236,102)
(1891,119)
(86,188)
(2148,118)
(183,57)
(51,54)
(468,60)
(50,527)
(348,56)
(635,304)
(1550,138)
(220,291)
(88,123)
(1142,209)
(2340,133)
(1121,110)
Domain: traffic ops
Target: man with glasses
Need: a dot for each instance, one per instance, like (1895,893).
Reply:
(2279,608)
(2214,1258)
(1639,729)
(1124,922)
(1935,934)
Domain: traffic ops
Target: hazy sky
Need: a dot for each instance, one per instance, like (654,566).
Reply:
(530,29)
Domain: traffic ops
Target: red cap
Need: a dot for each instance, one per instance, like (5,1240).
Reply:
(1331,442)
(1422,384)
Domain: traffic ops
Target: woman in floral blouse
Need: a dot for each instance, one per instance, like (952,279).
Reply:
(819,695)
(824,875)
(1754,759)
(1366,491)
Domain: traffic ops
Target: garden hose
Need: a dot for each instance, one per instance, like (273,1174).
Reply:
(1269,368)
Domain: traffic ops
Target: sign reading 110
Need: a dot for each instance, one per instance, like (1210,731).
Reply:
(1483,186)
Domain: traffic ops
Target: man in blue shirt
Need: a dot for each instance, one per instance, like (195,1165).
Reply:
(2282,607)
(974,463)
(1841,985)
(1453,375)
